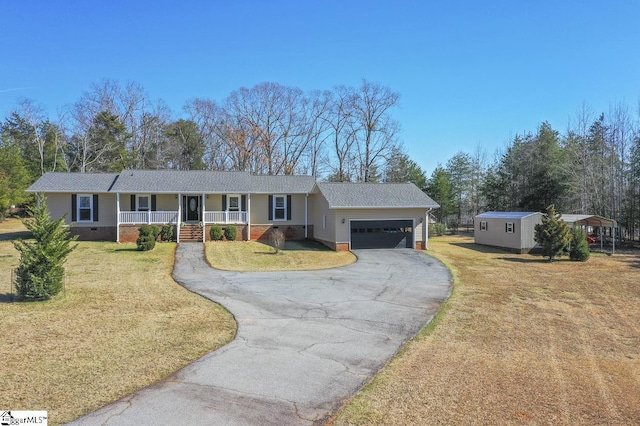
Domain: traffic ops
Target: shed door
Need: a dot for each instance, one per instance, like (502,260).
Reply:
(376,234)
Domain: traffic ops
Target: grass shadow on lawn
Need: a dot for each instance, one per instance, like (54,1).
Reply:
(537,260)
(299,245)
(125,249)
(480,248)
(7,298)
(17,235)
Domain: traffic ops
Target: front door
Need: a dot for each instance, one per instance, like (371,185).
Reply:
(191,208)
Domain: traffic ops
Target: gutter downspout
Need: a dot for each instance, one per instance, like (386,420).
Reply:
(426,230)
(306,216)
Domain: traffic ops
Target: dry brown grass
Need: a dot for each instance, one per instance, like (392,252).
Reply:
(122,324)
(521,341)
(258,256)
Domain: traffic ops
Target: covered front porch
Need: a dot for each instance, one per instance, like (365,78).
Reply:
(184,211)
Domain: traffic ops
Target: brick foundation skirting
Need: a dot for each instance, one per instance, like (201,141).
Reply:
(97,233)
(291,232)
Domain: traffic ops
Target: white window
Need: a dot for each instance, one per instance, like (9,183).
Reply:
(324,221)
(144,202)
(279,207)
(510,227)
(483,225)
(233,203)
(85,208)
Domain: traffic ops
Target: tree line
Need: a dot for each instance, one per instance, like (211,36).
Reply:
(592,168)
(343,134)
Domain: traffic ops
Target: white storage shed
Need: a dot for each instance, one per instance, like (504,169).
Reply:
(513,231)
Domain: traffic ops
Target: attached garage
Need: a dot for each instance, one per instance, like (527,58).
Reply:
(376,234)
(350,216)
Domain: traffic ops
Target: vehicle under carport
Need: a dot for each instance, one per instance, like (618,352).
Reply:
(381,234)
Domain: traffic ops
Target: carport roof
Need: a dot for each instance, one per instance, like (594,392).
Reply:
(588,220)
(342,195)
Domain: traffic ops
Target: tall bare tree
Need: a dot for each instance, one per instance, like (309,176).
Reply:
(375,129)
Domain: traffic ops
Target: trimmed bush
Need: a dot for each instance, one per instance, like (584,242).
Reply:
(230,233)
(553,234)
(579,245)
(147,238)
(166,233)
(216,233)
(437,229)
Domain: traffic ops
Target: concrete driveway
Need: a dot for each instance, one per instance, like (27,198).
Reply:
(306,341)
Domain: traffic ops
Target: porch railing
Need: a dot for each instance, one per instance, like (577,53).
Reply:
(170,217)
(225,217)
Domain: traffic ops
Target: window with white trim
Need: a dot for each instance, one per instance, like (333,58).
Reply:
(85,208)
(483,225)
(143,203)
(279,207)
(510,227)
(233,203)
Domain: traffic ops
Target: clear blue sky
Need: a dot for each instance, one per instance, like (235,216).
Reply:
(469,72)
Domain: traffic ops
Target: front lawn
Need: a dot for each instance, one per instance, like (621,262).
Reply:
(258,256)
(121,324)
(521,341)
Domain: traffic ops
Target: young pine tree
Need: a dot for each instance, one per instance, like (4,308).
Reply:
(553,234)
(40,274)
(579,245)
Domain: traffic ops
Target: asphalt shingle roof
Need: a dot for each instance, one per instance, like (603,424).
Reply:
(174,181)
(74,182)
(375,195)
(282,184)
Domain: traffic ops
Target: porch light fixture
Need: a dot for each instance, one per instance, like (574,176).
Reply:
(343,220)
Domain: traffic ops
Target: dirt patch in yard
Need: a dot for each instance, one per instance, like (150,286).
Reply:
(522,341)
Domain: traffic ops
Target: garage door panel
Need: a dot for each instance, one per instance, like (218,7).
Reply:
(369,234)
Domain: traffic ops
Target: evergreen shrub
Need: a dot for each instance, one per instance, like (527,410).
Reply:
(147,237)
(230,233)
(166,233)
(216,233)
(579,245)
(40,274)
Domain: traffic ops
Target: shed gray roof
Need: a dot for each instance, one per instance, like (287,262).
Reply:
(184,181)
(74,182)
(505,215)
(375,195)
(282,184)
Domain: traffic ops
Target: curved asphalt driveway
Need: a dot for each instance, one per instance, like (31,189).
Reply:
(306,340)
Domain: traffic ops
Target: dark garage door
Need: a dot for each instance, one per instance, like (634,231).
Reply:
(369,234)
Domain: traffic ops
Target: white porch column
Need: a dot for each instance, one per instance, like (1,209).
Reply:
(306,219)
(204,228)
(248,217)
(117,217)
(179,218)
